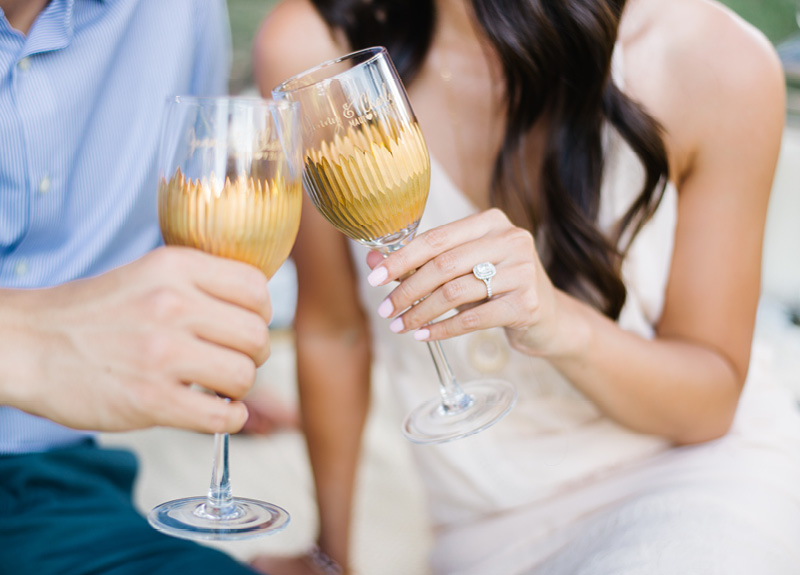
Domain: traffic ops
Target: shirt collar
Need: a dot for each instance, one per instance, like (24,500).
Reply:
(52,30)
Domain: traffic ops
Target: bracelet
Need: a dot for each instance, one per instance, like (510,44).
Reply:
(323,562)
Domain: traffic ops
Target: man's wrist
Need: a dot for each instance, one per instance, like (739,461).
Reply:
(21,354)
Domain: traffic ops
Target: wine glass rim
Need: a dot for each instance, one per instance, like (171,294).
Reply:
(304,80)
(230,100)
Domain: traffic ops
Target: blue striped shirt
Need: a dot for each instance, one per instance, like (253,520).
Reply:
(81,97)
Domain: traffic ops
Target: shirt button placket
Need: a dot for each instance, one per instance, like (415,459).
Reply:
(21,268)
(44,185)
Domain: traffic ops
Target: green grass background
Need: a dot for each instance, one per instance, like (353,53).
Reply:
(775,18)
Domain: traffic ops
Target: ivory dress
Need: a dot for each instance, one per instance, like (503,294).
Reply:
(556,488)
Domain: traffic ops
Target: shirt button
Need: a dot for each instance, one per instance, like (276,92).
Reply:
(24,64)
(21,268)
(44,185)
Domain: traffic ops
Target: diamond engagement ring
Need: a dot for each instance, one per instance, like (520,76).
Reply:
(485,272)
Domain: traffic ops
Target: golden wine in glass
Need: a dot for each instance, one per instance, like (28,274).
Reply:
(230,184)
(367,171)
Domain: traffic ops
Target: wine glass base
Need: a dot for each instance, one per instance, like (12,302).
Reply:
(187,518)
(492,399)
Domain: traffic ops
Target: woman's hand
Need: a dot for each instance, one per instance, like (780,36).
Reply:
(523,300)
(119,351)
(268,413)
(296,565)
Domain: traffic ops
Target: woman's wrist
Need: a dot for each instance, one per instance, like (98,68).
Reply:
(568,338)
(322,562)
(575,333)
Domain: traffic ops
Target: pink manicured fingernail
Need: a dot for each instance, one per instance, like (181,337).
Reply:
(386,308)
(397,325)
(422,334)
(378,276)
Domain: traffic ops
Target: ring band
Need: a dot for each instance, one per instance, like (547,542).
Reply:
(485,272)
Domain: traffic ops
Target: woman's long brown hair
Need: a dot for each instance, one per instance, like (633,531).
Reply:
(556,59)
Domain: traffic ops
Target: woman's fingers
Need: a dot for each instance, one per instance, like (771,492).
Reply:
(374,258)
(513,303)
(448,275)
(493,313)
(447,281)
(435,242)
(454,294)
(444,280)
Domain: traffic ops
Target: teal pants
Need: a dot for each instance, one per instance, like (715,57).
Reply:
(69,511)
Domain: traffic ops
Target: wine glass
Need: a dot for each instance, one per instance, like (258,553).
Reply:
(367,171)
(230,184)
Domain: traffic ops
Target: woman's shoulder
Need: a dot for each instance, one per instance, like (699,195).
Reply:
(697,46)
(696,64)
(292,38)
(712,43)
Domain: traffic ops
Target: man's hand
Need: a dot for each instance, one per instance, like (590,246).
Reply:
(120,351)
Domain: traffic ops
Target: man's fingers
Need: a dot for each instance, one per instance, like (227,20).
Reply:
(231,326)
(229,280)
(184,358)
(191,409)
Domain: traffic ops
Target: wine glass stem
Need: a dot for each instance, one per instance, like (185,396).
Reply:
(219,502)
(453,397)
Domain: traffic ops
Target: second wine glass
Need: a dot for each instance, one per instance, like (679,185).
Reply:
(367,171)
(229,185)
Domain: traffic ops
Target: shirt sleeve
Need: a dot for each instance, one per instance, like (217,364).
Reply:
(213,48)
